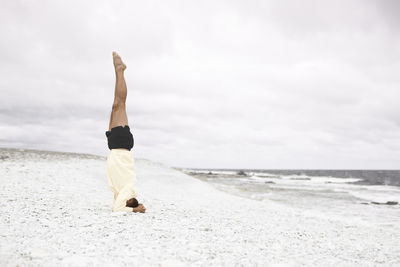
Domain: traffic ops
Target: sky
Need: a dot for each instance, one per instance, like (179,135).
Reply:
(211,84)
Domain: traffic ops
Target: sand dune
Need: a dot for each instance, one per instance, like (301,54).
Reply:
(55,210)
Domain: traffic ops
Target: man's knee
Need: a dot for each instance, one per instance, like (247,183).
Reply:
(118,105)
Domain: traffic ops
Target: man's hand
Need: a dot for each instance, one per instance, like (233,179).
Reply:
(139,208)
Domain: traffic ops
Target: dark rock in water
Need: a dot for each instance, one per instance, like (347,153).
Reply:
(241,173)
(387,203)
(269,182)
(209,173)
(365,203)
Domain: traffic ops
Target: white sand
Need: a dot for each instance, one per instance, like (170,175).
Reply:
(55,210)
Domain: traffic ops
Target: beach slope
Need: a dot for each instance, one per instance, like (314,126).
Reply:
(56,210)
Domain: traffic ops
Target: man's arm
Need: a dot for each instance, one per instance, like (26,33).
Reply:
(120,202)
(127,209)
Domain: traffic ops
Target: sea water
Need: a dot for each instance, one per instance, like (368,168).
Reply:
(371,196)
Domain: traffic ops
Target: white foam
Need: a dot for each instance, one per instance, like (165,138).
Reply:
(376,196)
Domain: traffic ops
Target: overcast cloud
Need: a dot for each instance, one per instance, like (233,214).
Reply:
(225,84)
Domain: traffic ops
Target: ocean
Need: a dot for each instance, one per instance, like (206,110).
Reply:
(368,195)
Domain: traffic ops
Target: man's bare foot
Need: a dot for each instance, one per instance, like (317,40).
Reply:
(139,208)
(118,64)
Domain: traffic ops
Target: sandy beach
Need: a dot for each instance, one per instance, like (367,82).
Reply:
(56,211)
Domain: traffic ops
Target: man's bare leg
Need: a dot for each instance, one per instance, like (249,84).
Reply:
(118,113)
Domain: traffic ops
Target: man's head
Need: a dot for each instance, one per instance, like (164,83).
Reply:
(132,203)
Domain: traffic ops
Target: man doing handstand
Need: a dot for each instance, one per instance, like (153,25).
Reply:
(120,164)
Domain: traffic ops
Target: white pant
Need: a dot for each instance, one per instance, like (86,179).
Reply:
(121,177)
